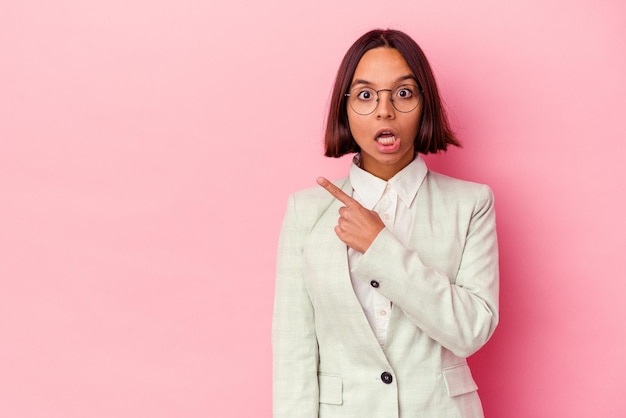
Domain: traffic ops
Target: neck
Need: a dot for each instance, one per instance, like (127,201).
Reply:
(384,171)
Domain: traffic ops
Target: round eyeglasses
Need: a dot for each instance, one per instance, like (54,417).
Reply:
(404,98)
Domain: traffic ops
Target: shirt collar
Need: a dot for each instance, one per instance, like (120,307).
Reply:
(405,183)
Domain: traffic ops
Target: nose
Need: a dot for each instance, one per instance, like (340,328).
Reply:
(385,108)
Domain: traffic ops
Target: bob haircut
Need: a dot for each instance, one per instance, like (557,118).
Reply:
(434,135)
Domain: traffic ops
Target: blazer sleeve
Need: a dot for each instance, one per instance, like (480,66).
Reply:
(461,312)
(294,341)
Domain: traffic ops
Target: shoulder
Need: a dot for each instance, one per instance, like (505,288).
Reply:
(308,205)
(450,188)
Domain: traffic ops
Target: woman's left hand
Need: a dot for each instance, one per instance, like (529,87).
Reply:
(357,226)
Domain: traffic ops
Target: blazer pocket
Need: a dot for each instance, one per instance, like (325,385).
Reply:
(459,380)
(331,389)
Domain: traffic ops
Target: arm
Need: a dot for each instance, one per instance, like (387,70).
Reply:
(460,312)
(294,342)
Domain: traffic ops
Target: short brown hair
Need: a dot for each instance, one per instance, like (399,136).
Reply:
(435,133)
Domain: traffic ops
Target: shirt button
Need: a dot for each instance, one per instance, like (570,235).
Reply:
(383,313)
(386,216)
(386,377)
(374,283)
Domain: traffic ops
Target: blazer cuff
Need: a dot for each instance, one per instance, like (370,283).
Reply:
(374,264)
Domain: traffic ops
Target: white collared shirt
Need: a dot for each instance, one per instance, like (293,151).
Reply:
(392,200)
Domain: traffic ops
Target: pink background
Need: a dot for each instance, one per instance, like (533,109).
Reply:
(147,149)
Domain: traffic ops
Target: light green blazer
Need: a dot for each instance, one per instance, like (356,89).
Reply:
(444,290)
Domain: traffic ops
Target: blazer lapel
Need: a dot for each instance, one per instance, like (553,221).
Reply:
(332,285)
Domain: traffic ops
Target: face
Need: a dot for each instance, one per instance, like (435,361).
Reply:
(386,136)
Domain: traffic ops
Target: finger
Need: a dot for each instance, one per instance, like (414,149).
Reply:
(336,192)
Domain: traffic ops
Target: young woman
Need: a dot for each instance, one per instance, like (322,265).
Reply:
(387,281)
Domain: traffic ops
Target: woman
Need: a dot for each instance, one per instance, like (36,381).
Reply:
(389,280)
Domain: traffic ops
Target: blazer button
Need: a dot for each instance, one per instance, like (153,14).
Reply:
(374,283)
(386,377)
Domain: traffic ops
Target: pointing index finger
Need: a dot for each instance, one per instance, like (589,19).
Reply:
(339,194)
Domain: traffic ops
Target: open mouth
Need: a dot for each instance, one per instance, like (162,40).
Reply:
(386,138)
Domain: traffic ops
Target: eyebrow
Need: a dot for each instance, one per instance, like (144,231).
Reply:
(368,83)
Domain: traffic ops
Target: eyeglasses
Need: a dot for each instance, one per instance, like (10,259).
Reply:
(404,98)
